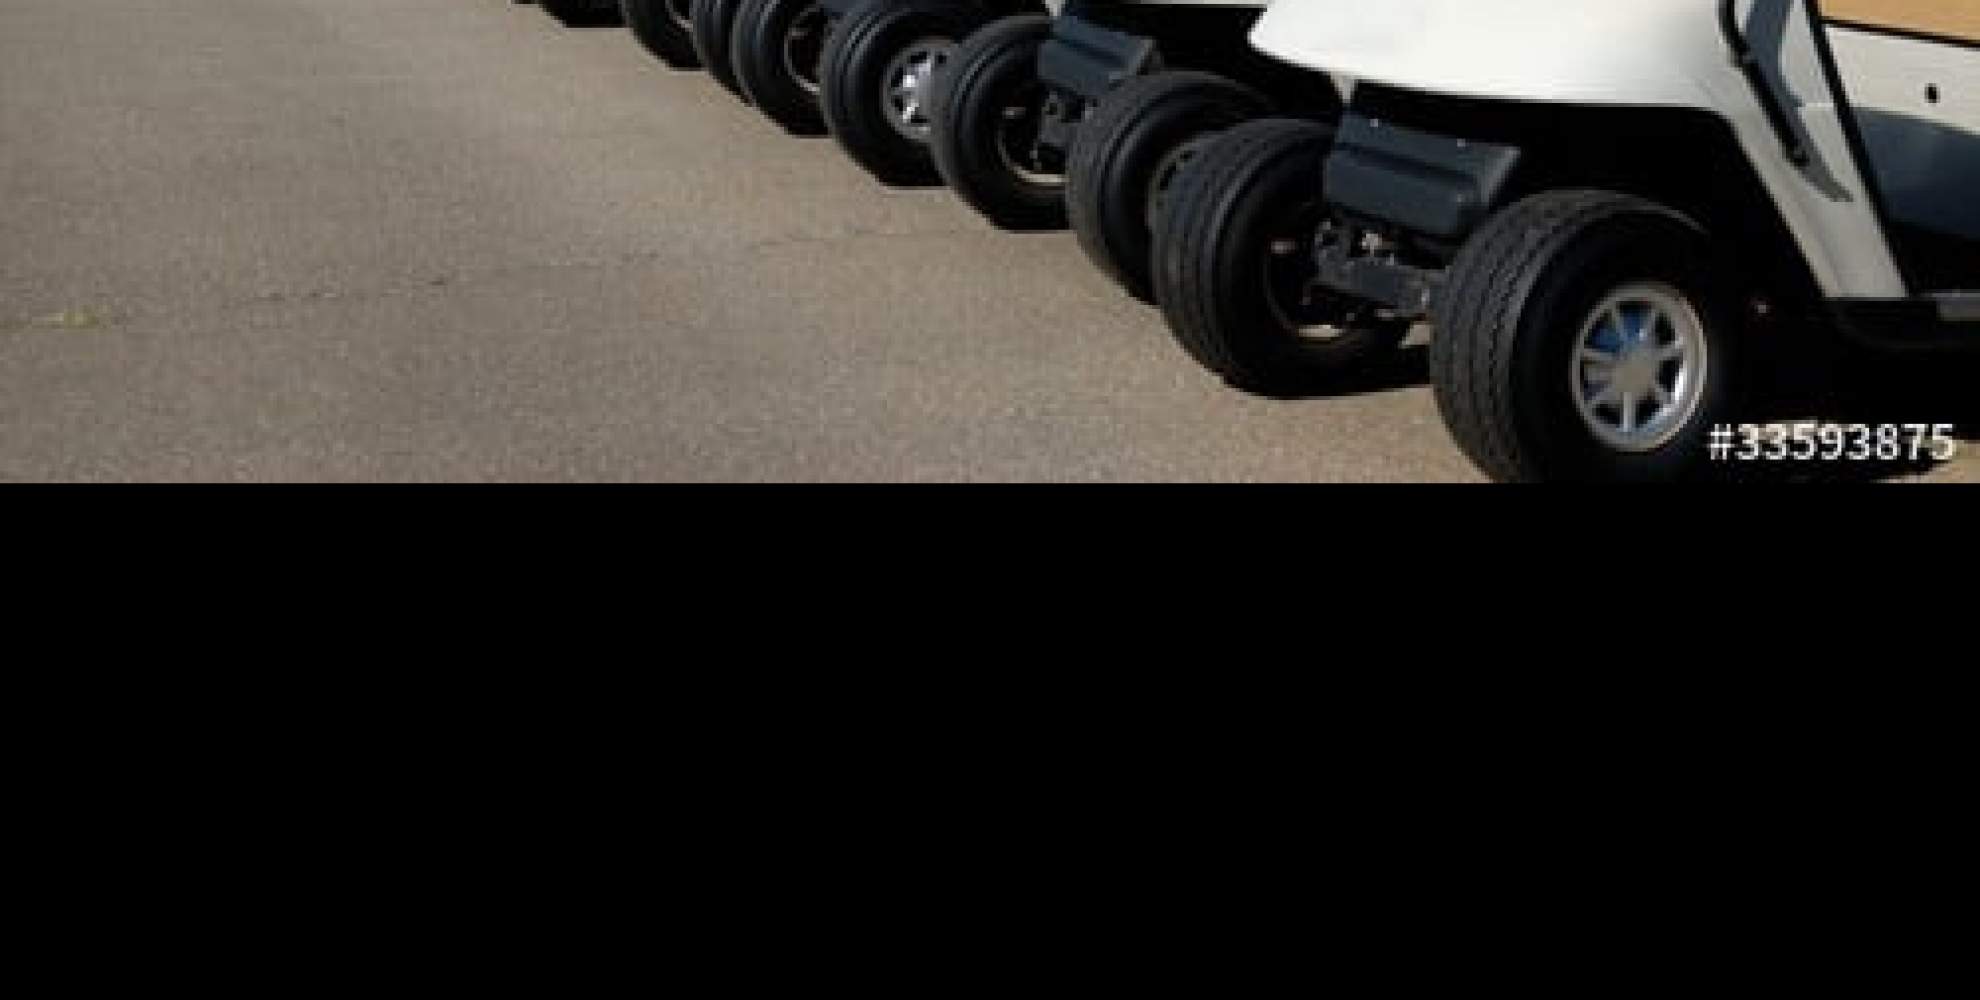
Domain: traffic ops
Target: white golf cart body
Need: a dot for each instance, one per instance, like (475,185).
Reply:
(1250,4)
(1908,72)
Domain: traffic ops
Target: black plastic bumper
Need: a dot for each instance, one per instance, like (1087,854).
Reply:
(1430,185)
(1406,199)
(1086,60)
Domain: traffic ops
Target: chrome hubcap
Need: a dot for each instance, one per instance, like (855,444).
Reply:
(681,12)
(1639,367)
(904,93)
(803,44)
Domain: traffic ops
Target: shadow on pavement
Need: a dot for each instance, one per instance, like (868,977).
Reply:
(1405,368)
(602,17)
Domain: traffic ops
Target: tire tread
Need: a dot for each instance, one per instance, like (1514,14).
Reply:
(1479,313)
(957,97)
(1097,148)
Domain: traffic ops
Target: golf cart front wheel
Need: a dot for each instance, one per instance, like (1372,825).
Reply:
(1234,267)
(874,81)
(664,27)
(1137,140)
(989,111)
(1585,335)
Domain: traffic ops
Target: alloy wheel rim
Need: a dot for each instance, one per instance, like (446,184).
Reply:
(1306,310)
(1019,123)
(1639,367)
(681,12)
(804,45)
(904,85)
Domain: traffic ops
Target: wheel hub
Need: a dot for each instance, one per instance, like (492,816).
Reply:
(1639,367)
(1019,129)
(1304,307)
(904,94)
(682,13)
(1164,177)
(804,43)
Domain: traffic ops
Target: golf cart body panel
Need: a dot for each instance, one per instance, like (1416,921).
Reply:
(1669,54)
(1917,102)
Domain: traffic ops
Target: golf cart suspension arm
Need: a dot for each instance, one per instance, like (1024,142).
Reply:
(1770,99)
(1405,290)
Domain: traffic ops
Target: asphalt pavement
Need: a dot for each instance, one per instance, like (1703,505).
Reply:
(253,240)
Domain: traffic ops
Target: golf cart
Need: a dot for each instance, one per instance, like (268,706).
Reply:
(1091,113)
(1597,205)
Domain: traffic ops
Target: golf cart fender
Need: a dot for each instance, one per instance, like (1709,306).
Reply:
(1625,54)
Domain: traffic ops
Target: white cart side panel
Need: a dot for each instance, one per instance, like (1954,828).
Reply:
(1654,53)
(1917,102)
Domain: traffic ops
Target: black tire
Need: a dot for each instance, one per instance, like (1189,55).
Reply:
(988,104)
(713,20)
(775,48)
(1135,133)
(663,27)
(1510,322)
(1233,265)
(853,83)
